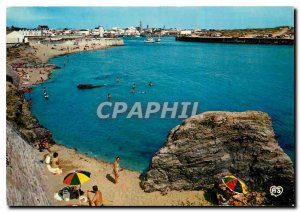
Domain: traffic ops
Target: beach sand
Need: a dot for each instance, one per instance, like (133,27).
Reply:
(39,54)
(126,193)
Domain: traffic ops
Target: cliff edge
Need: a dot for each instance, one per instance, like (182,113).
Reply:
(25,177)
(206,147)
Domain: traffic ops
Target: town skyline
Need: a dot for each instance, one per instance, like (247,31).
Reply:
(153,17)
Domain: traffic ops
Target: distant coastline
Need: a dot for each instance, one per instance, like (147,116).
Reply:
(270,41)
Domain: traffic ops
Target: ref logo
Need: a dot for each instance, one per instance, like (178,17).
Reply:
(276,191)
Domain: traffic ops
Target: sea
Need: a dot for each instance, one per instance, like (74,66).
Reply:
(221,77)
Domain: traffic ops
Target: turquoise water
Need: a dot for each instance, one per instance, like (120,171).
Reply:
(228,77)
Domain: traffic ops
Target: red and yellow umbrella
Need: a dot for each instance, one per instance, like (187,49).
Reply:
(235,184)
(77,177)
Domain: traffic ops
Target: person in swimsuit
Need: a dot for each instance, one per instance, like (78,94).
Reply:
(134,86)
(117,169)
(97,199)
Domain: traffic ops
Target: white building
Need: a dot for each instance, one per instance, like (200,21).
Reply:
(20,36)
(84,32)
(98,31)
(185,32)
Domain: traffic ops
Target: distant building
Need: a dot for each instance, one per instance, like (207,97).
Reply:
(44,29)
(21,36)
(84,32)
(98,31)
(141,27)
(185,32)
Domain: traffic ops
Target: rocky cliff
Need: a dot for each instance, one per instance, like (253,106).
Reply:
(211,145)
(25,177)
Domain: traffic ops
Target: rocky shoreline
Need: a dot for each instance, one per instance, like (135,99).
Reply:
(206,147)
(28,65)
(30,60)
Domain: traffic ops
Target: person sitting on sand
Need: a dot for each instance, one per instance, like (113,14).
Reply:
(117,169)
(97,199)
(54,165)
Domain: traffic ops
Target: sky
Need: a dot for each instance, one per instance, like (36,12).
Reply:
(170,17)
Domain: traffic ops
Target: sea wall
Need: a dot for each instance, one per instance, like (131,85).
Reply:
(206,147)
(274,41)
(78,40)
(24,176)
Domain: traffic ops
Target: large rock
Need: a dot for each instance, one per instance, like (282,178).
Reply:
(211,145)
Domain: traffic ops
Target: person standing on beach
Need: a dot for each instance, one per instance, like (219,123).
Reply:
(117,169)
(97,199)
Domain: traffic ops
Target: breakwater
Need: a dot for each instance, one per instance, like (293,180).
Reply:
(271,41)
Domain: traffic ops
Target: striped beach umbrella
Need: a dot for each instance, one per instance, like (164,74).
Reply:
(77,177)
(235,184)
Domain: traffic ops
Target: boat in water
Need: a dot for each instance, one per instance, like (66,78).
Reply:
(149,40)
(157,40)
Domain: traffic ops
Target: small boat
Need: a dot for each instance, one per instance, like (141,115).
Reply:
(157,40)
(149,40)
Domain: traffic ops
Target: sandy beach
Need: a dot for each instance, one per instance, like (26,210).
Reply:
(30,63)
(32,68)
(126,193)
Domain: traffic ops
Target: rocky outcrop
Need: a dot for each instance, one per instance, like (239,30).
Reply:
(12,76)
(25,177)
(88,86)
(211,145)
(19,114)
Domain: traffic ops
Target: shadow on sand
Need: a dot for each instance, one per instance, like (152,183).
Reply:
(110,178)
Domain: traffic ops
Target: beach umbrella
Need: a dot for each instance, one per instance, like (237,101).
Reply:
(235,184)
(77,177)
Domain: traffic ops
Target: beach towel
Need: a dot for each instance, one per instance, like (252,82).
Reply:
(47,159)
(58,197)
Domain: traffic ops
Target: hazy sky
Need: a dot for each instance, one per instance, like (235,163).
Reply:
(179,17)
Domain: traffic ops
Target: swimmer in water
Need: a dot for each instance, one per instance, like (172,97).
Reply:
(150,84)
(132,91)
(134,86)
(109,96)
